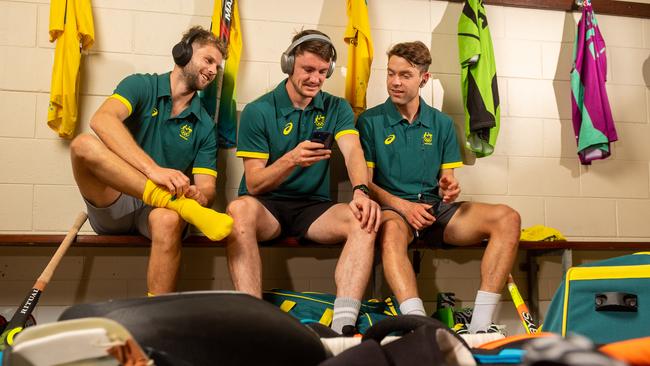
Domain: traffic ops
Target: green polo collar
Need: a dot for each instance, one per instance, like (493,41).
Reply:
(425,114)
(284,106)
(164,90)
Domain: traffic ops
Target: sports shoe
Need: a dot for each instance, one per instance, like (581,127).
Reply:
(462,328)
(350,331)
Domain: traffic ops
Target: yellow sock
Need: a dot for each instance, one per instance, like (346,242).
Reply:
(150,294)
(213,224)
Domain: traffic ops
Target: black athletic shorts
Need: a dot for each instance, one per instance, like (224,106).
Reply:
(295,216)
(433,235)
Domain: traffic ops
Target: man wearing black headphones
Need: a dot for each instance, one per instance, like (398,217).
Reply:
(151,133)
(284,139)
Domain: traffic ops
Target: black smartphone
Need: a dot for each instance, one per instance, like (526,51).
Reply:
(324,137)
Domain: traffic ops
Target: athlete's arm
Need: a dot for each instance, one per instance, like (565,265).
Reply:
(416,213)
(449,186)
(108,124)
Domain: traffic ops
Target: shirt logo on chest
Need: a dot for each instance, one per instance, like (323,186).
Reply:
(427,138)
(319,121)
(287,128)
(154,112)
(186,131)
(389,140)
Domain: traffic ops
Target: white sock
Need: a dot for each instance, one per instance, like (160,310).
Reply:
(412,306)
(484,306)
(346,310)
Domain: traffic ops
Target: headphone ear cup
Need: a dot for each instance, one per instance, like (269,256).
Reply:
(286,63)
(182,53)
(330,71)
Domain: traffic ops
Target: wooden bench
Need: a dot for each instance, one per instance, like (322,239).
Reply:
(530,266)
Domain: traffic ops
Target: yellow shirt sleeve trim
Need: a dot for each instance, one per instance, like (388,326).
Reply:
(346,132)
(457,164)
(252,154)
(370,164)
(205,171)
(124,101)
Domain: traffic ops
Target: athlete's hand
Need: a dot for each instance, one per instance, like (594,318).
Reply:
(308,153)
(366,211)
(194,193)
(449,188)
(174,180)
(417,214)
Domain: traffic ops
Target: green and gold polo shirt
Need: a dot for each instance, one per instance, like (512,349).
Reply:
(271,126)
(186,142)
(407,157)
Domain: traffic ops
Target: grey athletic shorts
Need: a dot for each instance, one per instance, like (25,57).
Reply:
(127,215)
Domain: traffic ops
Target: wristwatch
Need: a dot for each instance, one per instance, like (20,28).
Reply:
(363,188)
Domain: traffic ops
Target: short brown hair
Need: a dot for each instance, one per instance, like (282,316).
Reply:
(323,49)
(202,37)
(417,53)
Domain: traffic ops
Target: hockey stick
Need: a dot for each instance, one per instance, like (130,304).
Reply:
(227,10)
(522,309)
(17,322)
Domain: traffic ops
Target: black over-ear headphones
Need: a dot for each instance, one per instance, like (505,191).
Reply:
(182,51)
(288,58)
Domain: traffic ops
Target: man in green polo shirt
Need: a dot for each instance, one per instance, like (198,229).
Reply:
(411,153)
(151,134)
(285,188)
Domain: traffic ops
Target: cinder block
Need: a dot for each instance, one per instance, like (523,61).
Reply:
(631,142)
(628,103)
(516,58)
(164,6)
(444,17)
(520,137)
(56,207)
(252,81)
(557,58)
(486,176)
(621,31)
(444,62)
(157,33)
(531,209)
(453,98)
(35,161)
(632,216)
(16,212)
(537,25)
(629,65)
(539,98)
(265,41)
(20,110)
(559,138)
(615,179)
(28,268)
(114,30)
(543,176)
(419,15)
(18,24)
(26,69)
(204,263)
(588,217)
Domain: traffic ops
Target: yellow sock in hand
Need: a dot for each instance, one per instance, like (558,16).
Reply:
(213,224)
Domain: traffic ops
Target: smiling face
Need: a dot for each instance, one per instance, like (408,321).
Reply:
(403,81)
(309,74)
(202,68)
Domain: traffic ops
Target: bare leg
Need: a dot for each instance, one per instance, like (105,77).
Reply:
(394,238)
(252,223)
(166,228)
(100,174)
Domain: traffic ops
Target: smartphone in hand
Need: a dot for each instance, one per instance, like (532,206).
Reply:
(324,137)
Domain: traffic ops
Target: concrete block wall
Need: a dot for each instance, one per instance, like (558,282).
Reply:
(534,168)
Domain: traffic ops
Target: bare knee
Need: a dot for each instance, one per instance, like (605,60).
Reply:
(244,212)
(508,217)
(85,147)
(393,237)
(166,227)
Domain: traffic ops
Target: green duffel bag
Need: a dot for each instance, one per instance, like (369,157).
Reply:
(312,307)
(606,301)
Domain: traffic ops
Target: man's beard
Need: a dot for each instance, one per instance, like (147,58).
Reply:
(191,78)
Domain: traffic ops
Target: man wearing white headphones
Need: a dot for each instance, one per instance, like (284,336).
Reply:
(151,134)
(284,139)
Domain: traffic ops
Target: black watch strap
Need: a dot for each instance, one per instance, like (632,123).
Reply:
(363,188)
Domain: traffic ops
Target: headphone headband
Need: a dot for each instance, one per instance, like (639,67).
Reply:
(182,51)
(288,57)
